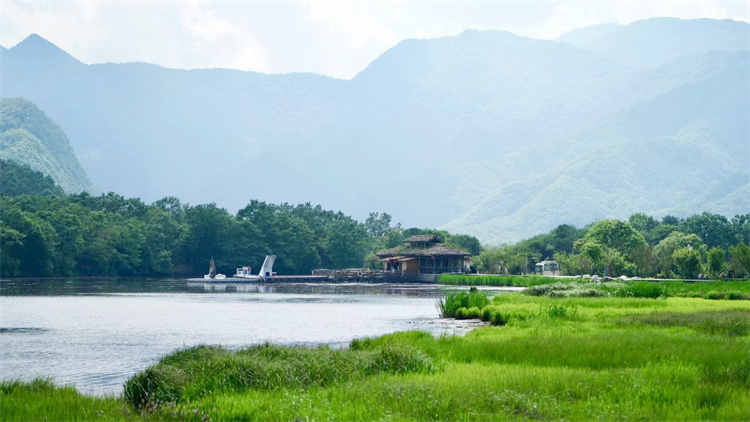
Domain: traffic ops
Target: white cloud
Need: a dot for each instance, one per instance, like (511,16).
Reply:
(201,21)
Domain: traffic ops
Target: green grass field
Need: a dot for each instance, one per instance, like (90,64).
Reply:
(572,358)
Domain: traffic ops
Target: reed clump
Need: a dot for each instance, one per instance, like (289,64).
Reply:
(197,371)
(449,306)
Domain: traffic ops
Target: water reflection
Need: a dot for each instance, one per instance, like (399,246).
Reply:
(410,290)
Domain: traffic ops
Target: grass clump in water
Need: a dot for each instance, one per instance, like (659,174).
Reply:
(449,306)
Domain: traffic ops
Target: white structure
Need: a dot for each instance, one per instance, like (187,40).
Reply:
(266,270)
(547,268)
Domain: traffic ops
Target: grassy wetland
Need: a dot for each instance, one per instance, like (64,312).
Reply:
(611,357)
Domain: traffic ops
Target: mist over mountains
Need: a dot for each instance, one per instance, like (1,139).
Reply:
(485,133)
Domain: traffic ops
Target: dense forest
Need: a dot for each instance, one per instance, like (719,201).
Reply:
(52,234)
(47,233)
(708,244)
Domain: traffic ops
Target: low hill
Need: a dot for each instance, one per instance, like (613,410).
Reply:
(28,136)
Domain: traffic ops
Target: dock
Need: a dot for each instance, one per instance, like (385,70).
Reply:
(370,277)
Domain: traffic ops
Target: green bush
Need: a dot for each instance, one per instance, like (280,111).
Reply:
(735,295)
(474,313)
(643,289)
(462,313)
(497,318)
(714,295)
(486,314)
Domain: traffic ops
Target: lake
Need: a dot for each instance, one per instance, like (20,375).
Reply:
(95,334)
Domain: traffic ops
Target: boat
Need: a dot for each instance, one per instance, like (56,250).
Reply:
(212,272)
(266,270)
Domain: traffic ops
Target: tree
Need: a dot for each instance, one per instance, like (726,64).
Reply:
(741,228)
(208,230)
(739,259)
(664,251)
(644,224)
(660,233)
(347,244)
(562,238)
(20,179)
(570,264)
(617,235)
(713,229)
(378,224)
(616,264)
(465,242)
(716,261)
(671,220)
(688,261)
(592,253)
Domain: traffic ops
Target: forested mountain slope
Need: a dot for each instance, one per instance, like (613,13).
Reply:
(486,132)
(28,136)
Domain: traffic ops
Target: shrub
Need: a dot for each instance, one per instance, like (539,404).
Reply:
(735,295)
(497,318)
(474,313)
(462,313)
(714,295)
(642,289)
(486,314)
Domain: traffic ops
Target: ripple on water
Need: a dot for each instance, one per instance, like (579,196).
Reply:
(22,330)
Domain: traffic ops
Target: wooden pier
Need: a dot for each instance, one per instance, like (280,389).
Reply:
(355,277)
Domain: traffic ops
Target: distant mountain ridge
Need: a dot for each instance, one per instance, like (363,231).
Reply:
(486,132)
(28,136)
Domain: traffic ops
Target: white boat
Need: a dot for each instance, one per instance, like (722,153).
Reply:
(266,270)
(212,272)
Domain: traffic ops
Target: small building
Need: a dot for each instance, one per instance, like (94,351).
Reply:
(550,268)
(423,257)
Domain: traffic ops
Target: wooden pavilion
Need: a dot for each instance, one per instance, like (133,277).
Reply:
(423,257)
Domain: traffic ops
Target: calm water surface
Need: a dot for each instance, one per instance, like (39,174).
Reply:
(95,334)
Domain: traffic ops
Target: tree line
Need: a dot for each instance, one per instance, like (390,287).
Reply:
(44,232)
(702,244)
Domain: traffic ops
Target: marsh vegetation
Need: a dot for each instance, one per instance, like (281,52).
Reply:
(617,357)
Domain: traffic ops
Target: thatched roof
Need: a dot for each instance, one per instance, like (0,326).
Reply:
(424,238)
(412,251)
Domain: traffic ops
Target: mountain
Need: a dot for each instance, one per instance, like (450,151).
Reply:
(653,42)
(486,132)
(694,157)
(28,136)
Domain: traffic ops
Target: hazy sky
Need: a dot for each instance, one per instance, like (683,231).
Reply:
(335,38)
